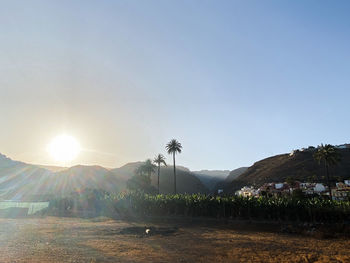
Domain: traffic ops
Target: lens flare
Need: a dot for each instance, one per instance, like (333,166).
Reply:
(64,148)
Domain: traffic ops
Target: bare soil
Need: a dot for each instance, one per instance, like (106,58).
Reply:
(53,239)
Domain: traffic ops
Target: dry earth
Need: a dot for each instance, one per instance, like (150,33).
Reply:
(55,239)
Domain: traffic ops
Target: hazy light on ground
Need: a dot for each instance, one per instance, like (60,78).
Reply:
(64,148)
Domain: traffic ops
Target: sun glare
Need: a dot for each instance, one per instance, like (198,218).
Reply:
(64,148)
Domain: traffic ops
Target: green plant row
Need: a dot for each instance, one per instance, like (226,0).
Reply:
(199,205)
(234,207)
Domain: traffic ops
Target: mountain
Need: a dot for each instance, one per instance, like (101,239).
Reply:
(52,168)
(126,171)
(187,182)
(222,184)
(211,177)
(81,176)
(235,173)
(21,181)
(300,166)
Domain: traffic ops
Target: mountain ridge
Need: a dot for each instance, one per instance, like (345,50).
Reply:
(300,166)
(23,181)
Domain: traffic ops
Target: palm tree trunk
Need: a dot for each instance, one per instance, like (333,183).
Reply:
(158,176)
(174,173)
(328,181)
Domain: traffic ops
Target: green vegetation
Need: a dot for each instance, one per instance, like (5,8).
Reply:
(141,181)
(329,155)
(174,147)
(197,205)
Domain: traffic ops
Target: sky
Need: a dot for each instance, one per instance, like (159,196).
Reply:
(233,81)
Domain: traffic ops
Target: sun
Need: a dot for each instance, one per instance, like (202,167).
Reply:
(64,148)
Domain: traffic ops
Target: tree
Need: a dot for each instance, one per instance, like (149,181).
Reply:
(174,147)
(330,156)
(142,178)
(159,159)
(147,168)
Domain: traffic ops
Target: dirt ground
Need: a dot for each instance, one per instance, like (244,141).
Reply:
(53,239)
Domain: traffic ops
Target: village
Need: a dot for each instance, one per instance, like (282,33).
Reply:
(341,192)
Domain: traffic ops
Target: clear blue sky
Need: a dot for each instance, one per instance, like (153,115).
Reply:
(234,81)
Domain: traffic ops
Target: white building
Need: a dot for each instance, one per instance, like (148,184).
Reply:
(247,191)
(319,188)
(279,185)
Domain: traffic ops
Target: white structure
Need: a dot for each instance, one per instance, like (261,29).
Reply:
(279,185)
(247,191)
(33,207)
(305,185)
(293,152)
(347,182)
(318,188)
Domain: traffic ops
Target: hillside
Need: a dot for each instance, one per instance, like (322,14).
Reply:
(211,177)
(222,184)
(126,171)
(80,177)
(187,182)
(51,168)
(21,181)
(300,166)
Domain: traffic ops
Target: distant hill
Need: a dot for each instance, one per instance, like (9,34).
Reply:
(81,176)
(211,177)
(52,168)
(126,171)
(21,181)
(300,166)
(222,184)
(187,182)
(235,173)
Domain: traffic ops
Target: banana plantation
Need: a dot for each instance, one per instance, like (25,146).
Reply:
(197,205)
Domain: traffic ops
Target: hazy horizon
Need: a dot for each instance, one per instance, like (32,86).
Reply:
(233,81)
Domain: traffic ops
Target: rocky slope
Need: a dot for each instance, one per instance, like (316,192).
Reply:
(300,166)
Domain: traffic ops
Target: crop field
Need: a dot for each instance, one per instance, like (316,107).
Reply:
(57,239)
(197,205)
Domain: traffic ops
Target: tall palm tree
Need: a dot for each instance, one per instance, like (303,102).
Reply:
(173,147)
(329,155)
(159,159)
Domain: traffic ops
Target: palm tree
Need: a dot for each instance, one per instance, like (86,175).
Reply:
(159,159)
(142,178)
(174,147)
(147,168)
(330,156)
